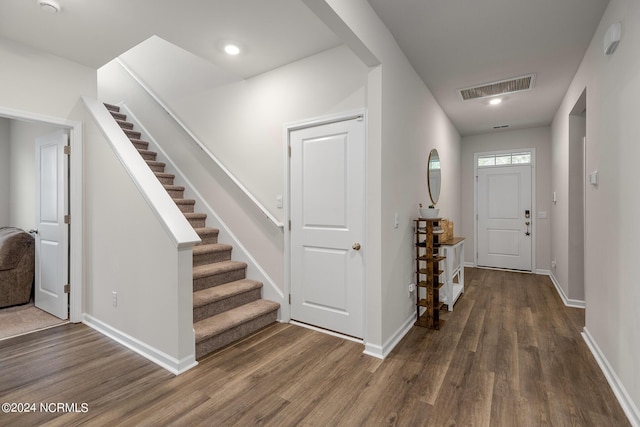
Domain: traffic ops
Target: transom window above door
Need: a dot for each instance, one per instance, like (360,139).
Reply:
(504,159)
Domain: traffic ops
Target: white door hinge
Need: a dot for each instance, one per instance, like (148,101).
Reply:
(67,150)
(67,288)
(289,299)
(67,219)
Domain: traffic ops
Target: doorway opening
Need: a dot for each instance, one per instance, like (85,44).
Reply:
(577,183)
(28,127)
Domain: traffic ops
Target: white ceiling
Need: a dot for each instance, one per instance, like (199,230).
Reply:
(454,44)
(274,32)
(451,43)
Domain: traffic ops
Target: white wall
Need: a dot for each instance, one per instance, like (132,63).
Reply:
(37,82)
(5,169)
(23,187)
(613,207)
(538,138)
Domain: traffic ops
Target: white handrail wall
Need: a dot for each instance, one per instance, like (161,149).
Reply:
(199,143)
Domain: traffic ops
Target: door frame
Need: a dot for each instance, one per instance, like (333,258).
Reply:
(534,212)
(76,201)
(288,129)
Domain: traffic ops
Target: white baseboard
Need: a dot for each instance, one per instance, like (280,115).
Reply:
(568,302)
(628,406)
(383,351)
(158,357)
(469,264)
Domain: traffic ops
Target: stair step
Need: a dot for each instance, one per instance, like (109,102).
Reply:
(196,219)
(165,178)
(118,116)
(210,275)
(175,191)
(132,133)
(209,254)
(212,301)
(207,235)
(148,155)
(218,331)
(124,124)
(156,166)
(139,144)
(112,107)
(185,205)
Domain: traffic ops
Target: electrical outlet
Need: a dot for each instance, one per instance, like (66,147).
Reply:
(553,263)
(114,298)
(412,288)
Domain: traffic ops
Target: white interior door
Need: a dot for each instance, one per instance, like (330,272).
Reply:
(52,235)
(504,198)
(327,226)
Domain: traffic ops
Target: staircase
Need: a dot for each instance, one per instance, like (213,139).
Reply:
(226,305)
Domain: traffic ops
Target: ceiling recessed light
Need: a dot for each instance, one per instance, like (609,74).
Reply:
(232,49)
(49,6)
(495,101)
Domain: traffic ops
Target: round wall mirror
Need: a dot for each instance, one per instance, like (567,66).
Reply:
(434,176)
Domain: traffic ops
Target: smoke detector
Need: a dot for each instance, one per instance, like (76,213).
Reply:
(501,87)
(49,6)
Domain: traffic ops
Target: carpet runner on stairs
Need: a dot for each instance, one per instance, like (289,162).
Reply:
(226,305)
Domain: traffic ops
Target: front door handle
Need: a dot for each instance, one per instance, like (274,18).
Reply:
(33,231)
(356,246)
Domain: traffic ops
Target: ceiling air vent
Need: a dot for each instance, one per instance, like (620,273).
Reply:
(516,84)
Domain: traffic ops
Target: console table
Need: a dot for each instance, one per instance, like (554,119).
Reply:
(453,278)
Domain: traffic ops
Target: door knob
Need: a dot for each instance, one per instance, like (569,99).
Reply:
(356,246)
(33,231)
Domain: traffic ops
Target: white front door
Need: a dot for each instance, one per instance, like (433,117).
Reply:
(51,272)
(327,226)
(504,201)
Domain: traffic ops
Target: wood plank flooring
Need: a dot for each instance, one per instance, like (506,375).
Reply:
(509,355)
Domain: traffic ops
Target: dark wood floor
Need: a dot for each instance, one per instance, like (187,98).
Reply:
(509,355)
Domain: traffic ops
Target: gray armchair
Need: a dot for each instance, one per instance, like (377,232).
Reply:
(17,266)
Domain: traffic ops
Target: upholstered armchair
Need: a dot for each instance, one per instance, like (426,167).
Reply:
(17,265)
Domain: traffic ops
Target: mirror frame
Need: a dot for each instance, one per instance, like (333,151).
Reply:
(433,153)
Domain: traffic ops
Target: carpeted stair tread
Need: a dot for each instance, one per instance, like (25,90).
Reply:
(132,133)
(195,215)
(174,187)
(118,116)
(228,290)
(207,235)
(156,166)
(112,107)
(217,268)
(184,201)
(165,178)
(212,247)
(140,144)
(211,253)
(147,155)
(222,322)
(125,124)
